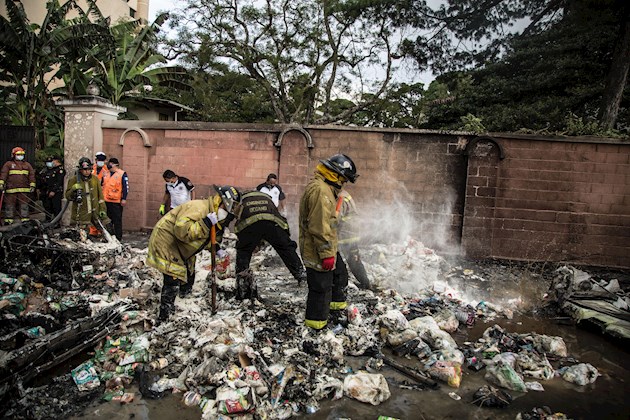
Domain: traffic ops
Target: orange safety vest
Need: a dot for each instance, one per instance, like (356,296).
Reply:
(112,186)
(103,174)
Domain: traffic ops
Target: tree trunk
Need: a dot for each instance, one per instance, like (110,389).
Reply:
(617,75)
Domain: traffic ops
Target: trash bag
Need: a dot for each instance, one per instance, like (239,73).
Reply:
(505,376)
(449,372)
(367,387)
(146,379)
(581,374)
(489,396)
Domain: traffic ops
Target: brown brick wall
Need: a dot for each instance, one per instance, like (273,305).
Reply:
(547,199)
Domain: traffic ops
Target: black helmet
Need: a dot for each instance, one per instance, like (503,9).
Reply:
(85,163)
(342,165)
(229,195)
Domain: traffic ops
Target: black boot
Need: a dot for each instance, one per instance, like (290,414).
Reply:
(167,301)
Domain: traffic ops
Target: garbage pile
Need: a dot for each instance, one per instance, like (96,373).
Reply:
(255,359)
(604,302)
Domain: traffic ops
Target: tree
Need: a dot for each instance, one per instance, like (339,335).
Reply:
(29,58)
(542,82)
(125,67)
(472,34)
(303,54)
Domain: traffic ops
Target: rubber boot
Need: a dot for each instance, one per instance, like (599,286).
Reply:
(167,301)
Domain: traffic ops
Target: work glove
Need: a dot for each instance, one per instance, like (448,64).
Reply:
(212,217)
(32,189)
(2,187)
(221,253)
(328,263)
(102,215)
(162,210)
(76,186)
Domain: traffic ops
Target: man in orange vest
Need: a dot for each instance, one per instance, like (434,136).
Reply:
(115,189)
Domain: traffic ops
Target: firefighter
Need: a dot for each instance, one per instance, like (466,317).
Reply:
(115,189)
(257,219)
(327,275)
(349,238)
(17,179)
(51,182)
(84,190)
(181,234)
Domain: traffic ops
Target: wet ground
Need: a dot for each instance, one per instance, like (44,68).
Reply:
(518,283)
(607,398)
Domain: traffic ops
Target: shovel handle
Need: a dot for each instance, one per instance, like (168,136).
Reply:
(213,253)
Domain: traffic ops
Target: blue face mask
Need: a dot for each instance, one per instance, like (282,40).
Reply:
(49,164)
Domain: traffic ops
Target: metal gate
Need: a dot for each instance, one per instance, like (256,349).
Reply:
(12,136)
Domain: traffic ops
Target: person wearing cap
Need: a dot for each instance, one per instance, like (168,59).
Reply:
(17,180)
(50,186)
(100,166)
(115,190)
(326,273)
(273,190)
(180,235)
(85,193)
(178,190)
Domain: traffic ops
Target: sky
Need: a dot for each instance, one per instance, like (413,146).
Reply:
(157,5)
(402,76)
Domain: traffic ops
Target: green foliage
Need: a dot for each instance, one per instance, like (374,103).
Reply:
(30,53)
(303,55)
(472,124)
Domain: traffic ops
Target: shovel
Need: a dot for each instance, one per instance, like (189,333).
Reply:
(213,260)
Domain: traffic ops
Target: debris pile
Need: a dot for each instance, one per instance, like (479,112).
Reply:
(255,358)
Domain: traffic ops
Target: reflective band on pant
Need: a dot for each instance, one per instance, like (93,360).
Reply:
(18,190)
(337,306)
(318,325)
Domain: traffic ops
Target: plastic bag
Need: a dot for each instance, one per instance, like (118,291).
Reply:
(367,387)
(505,376)
(449,372)
(582,374)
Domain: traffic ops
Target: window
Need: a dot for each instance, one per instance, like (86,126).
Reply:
(132,13)
(163,117)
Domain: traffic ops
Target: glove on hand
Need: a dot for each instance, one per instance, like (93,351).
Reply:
(162,210)
(76,186)
(221,253)
(32,189)
(213,218)
(102,214)
(2,186)
(328,263)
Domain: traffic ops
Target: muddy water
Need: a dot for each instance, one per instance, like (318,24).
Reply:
(607,398)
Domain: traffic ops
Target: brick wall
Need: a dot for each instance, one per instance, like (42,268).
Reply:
(546,199)
(550,201)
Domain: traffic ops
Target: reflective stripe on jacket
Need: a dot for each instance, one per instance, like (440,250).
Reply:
(318,222)
(256,206)
(17,176)
(180,235)
(113,186)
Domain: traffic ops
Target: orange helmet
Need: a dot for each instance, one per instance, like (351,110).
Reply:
(17,151)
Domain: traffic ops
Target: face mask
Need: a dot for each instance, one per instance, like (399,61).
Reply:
(49,164)
(19,157)
(100,163)
(110,166)
(222,214)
